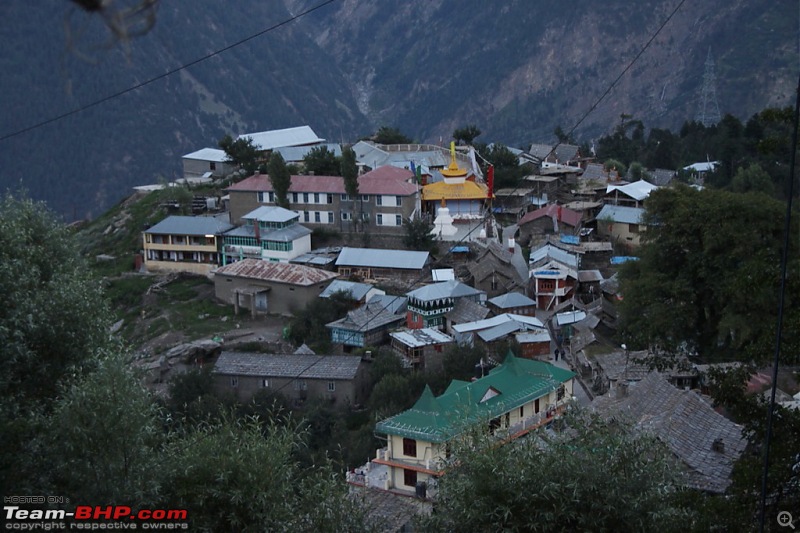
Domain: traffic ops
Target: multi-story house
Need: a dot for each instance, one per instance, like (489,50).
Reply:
(184,244)
(427,305)
(387,198)
(553,276)
(270,233)
(513,399)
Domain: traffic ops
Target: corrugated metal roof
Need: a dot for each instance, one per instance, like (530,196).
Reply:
(416,338)
(393,304)
(377,258)
(267,213)
(621,214)
(344,367)
(511,299)
(293,154)
(356,290)
(184,225)
(288,234)
(366,318)
(208,154)
(561,213)
(437,419)
(268,140)
(499,331)
(443,289)
(533,335)
(638,190)
(548,251)
(585,276)
(487,323)
(276,272)
(570,317)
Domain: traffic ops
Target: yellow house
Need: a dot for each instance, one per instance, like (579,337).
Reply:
(184,244)
(621,225)
(513,399)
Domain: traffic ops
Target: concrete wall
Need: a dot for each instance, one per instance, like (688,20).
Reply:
(345,393)
(282,299)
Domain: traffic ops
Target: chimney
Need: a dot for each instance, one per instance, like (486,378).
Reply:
(718,446)
(622,389)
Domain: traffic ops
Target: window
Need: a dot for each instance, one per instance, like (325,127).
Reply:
(379,219)
(378,199)
(330,217)
(294,197)
(409,447)
(306,217)
(494,283)
(300,384)
(562,391)
(317,217)
(536,406)
(212,165)
(410,478)
(346,198)
(398,201)
(522,411)
(398,220)
(346,215)
(365,197)
(234,381)
(305,197)
(316,197)
(633,228)
(330,198)
(547,285)
(271,197)
(265,383)
(331,386)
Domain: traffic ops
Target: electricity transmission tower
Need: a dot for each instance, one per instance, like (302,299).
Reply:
(708,112)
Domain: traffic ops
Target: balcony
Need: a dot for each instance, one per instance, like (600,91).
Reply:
(247,251)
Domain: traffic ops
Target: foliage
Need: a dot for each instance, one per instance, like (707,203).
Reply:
(707,281)
(308,325)
(280,178)
(418,234)
(54,317)
(562,136)
(389,135)
(322,162)
(211,473)
(637,171)
(613,164)
(349,171)
(595,476)
(466,134)
(752,179)
(101,437)
(241,152)
(507,171)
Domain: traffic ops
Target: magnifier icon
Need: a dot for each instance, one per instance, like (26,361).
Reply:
(785,519)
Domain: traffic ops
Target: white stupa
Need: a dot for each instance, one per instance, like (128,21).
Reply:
(443,223)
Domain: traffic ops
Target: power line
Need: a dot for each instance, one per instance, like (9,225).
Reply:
(165,74)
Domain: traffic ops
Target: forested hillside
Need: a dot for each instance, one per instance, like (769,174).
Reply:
(517,70)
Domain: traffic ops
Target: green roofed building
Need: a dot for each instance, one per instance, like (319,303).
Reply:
(513,399)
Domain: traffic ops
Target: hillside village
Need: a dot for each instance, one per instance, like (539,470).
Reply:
(527,274)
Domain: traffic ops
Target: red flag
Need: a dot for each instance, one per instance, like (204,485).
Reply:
(490,180)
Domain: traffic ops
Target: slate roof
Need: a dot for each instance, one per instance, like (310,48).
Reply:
(661,176)
(587,276)
(561,213)
(366,318)
(686,423)
(393,304)
(466,311)
(566,153)
(268,140)
(276,272)
(495,259)
(441,290)
(208,154)
(438,419)
(540,151)
(185,225)
(339,367)
(378,258)
(621,214)
(417,338)
(511,300)
(594,171)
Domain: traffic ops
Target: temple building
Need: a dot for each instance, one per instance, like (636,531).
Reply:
(458,190)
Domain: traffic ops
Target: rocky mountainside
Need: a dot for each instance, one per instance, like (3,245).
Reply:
(516,69)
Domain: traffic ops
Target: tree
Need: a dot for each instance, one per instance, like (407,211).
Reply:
(707,282)
(349,171)
(595,476)
(241,152)
(752,179)
(322,162)
(613,164)
(418,234)
(637,171)
(280,178)
(466,134)
(388,135)
(562,136)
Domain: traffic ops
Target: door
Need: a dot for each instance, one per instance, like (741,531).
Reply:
(261,301)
